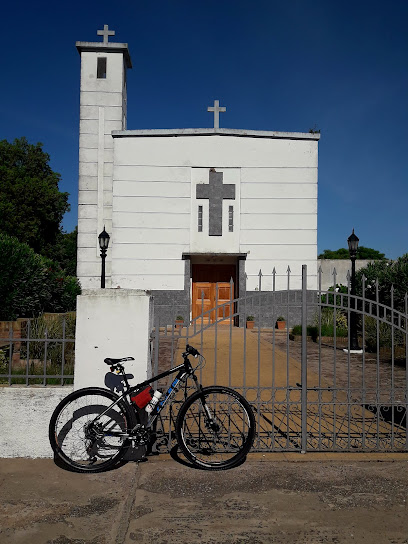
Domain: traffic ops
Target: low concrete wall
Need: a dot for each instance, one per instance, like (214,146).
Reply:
(342,266)
(25,415)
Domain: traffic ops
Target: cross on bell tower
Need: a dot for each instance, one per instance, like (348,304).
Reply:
(106,33)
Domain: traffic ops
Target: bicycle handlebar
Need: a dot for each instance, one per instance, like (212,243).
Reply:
(192,351)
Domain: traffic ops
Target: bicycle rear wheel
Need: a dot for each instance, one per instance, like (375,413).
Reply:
(82,438)
(215,428)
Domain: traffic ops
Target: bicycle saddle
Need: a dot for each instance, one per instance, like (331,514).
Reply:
(111,361)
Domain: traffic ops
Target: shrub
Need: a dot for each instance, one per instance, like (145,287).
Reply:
(336,300)
(388,273)
(31,284)
(52,352)
(310,331)
(250,318)
(385,334)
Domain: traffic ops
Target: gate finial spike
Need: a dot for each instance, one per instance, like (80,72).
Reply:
(260,272)
(288,270)
(274,271)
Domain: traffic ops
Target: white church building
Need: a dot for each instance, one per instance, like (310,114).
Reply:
(187,209)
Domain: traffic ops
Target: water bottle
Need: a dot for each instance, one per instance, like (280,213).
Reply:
(157,395)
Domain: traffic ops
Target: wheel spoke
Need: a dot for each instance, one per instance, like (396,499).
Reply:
(221,441)
(84,438)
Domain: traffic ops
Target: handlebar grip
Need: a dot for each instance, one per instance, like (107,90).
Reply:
(192,351)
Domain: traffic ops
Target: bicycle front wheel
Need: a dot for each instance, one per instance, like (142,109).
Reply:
(87,433)
(215,428)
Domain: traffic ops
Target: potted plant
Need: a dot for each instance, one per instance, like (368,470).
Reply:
(179,321)
(250,322)
(281,323)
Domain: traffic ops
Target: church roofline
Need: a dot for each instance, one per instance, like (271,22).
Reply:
(110,47)
(216,132)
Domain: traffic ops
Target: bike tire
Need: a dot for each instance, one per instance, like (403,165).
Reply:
(227,443)
(69,422)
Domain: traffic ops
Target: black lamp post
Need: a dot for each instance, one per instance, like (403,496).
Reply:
(103,244)
(353,247)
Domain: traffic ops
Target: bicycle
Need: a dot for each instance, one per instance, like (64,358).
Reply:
(92,428)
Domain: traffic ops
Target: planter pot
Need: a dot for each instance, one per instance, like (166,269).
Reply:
(179,324)
(280,325)
(250,324)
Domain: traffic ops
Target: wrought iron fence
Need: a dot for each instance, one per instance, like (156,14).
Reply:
(308,388)
(38,351)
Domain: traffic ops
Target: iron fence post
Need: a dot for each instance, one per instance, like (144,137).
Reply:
(304,361)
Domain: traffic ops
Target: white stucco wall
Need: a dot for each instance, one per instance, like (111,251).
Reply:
(25,415)
(155,209)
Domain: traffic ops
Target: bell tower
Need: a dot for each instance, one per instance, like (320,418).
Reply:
(103,108)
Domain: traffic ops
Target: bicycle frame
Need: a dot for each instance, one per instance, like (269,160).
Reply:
(184,371)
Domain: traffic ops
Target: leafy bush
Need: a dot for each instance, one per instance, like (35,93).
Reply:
(31,284)
(388,273)
(310,331)
(3,362)
(385,335)
(52,328)
(336,300)
(328,330)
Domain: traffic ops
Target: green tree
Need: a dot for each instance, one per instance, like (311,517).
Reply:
(31,284)
(388,274)
(31,205)
(65,251)
(362,253)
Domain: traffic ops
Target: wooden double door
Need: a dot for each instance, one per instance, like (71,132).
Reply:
(207,280)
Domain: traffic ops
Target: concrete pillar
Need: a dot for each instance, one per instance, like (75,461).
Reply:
(111,323)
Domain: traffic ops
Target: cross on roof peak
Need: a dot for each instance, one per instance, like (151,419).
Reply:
(216,109)
(106,33)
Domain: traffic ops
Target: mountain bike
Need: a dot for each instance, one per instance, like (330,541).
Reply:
(92,428)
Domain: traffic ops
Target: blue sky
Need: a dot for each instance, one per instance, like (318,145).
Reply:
(285,66)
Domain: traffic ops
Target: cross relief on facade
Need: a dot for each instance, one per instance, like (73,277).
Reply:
(215,192)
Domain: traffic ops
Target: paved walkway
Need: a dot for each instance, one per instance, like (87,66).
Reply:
(161,501)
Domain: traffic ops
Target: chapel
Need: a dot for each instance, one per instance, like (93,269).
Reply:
(193,214)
